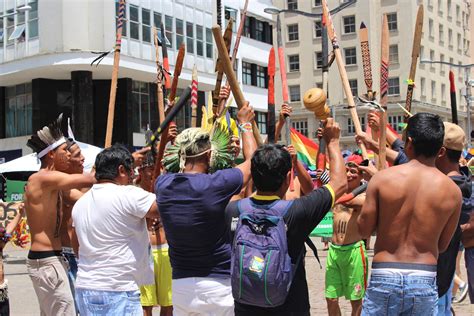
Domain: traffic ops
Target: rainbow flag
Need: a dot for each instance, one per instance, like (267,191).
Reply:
(306,149)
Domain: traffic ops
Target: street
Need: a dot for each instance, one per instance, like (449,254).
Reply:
(23,300)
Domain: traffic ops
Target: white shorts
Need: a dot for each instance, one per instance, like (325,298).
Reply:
(203,296)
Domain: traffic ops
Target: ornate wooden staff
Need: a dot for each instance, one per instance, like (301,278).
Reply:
(178,66)
(159,78)
(383,93)
(220,72)
(414,58)
(166,63)
(194,97)
(364,46)
(231,79)
(271,97)
(343,74)
(113,83)
(452,89)
(234,55)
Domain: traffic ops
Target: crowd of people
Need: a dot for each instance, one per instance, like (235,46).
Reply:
(210,237)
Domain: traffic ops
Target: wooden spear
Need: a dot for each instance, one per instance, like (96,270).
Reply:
(166,63)
(194,97)
(414,58)
(383,93)
(271,97)
(178,66)
(452,90)
(343,74)
(220,72)
(113,83)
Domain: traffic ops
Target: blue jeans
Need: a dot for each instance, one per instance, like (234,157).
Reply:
(444,302)
(71,273)
(95,303)
(400,295)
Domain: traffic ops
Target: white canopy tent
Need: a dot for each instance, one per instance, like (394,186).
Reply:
(31,162)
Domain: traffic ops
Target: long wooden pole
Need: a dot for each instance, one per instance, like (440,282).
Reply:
(231,78)
(159,77)
(271,97)
(113,84)
(452,93)
(177,72)
(194,97)
(166,63)
(414,58)
(343,74)
(383,93)
(220,72)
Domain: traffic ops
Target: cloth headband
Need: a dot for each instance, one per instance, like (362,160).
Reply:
(53,146)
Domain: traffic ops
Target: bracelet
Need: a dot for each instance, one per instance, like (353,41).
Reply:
(246,127)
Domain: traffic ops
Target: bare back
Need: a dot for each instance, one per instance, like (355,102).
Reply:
(416,211)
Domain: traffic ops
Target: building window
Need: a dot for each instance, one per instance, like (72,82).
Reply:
(261,76)
(394,86)
(141,106)
(231,13)
(134,23)
(318,30)
(293,32)
(450,38)
(396,122)
(254,75)
(351,126)
(146,29)
(441,66)
(349,24)
(392,21)
(301,126)
(459,42)
(319,59)
(433,89)
(190,37)
(295,94)
(430,28)
(318,3)
(423,87)
(449,8)
(292,4)
(294,62)
(247,73)
(458,13)
(179,32)
(350,56)
(18,110)
(33,20)
(199,40)
(443,92)
(261,118)
(260,31)
(208,43)
(441,34)
(353,85)
(393,54)
(169,29)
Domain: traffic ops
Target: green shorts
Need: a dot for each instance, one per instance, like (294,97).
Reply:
(160,292)
(346,271)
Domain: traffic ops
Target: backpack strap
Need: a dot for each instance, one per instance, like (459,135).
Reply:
(311,245)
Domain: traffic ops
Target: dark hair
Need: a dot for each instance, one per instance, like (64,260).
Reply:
(108,161)
(453,155)
(427,133)
(270,165)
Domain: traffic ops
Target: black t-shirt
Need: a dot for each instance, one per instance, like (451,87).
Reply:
(302,217)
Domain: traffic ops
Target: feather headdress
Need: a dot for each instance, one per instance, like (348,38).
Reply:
(48,138)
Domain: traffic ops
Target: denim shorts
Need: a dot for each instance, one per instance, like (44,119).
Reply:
(91,302)
(400,295)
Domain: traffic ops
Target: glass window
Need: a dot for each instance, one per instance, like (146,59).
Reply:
(351,56)
(10,27)
(353,85)
(301,126)
(423,87)
(169,29)
(157,19)
(294,62)
(450,37)
(433,89)
(134,23)
(443,92)
(231,13)
(199,40)
(393,54)
(209,47)
(260,31)
(430,28)
(246,73)
(19,110)
(261,118)
(351,126)
(317,3)
(246,30)
(319,60)
(293,32)
(190,37)
(146,29)
(394,86)
(141,106)
(349,24)
(318,29)
(441,34)
(179,32)
(33,20)
(292,4)
(295,94)
(261,76)
(396,122)
(392,21)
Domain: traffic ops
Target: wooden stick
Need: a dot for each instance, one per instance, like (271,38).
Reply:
(220,72)
(231,78)
(194,97)
(113,83)
(166,63)
(177,71)
(414,57)
(452,94)
(383,93)
(159,77)
(343,74)
(271,97)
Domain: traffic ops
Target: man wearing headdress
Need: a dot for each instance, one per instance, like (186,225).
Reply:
(42,203)
(192,207)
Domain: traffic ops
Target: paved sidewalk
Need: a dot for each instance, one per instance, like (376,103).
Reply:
(23,300)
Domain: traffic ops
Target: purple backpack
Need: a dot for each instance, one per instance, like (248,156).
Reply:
(261,269)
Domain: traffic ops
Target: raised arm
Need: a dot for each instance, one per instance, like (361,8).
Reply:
(306,184)
(337,169)
(367,220)
(285,111)
(63,181)
(245,117)
(371,144)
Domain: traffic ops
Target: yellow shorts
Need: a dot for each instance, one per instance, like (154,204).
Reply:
(160,292)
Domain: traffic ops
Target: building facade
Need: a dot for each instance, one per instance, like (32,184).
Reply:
(46,54)
(446,37)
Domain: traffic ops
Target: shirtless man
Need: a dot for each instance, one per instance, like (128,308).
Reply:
(346,267)
(415,209)
(45,265)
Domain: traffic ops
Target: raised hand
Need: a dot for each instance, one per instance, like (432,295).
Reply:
(285,111)
(331,130)
(224,93)
(245,114)
(139,156)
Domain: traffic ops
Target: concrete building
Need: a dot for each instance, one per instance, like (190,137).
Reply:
(445,37)
(46,52)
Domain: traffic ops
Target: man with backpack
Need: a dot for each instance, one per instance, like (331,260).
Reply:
(268,234)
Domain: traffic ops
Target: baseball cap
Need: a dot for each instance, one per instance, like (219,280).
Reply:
(454,137)
(356,159)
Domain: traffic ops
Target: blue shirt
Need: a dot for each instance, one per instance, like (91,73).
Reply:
(192,209)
